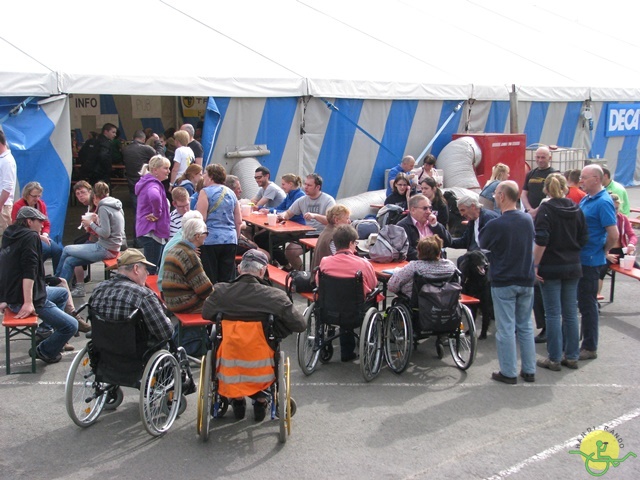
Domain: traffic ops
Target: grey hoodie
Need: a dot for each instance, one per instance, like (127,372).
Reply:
(110,230)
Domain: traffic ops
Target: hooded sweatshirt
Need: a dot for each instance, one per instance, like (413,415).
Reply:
(561,228)
(111,219)
(20,258)
(152,199)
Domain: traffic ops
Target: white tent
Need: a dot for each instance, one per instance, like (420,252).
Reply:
(394,68)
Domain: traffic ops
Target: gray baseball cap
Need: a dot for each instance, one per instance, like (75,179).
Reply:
(30,212)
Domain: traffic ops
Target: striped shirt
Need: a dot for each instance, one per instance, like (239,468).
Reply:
(175,223)
(185,286)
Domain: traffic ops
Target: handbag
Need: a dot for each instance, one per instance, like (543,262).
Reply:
(300,282)
(244,245)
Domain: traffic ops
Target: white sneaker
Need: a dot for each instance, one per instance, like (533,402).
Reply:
(78,291)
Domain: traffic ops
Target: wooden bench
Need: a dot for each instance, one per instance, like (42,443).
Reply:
(111,262)
(616,268)
(634,221)
(19,326)
(279,277)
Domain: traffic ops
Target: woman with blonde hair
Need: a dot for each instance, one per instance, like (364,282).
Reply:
(152,214)
(499,173)
(561,232)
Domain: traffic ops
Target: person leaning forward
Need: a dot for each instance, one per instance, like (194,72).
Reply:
(249,297)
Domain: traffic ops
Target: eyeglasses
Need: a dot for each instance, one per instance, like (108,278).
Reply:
(585,178)
(424,208)
(204,233)
(35,196)
(402,184)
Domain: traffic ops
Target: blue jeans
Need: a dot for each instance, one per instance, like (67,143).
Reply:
(53,251)
(83,254)
(588,305)
(512,307)
(561,309)
(52,313)
(152,252)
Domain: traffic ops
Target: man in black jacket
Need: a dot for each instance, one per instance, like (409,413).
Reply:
(22,286)
(420,223)
(96,158)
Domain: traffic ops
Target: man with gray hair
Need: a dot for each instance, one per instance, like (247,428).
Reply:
(250,297)
(194,144)
(477,217)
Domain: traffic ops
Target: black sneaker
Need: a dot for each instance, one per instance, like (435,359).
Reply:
(259,410)
(528,377)
(239,408)
(39,355)
(499,377)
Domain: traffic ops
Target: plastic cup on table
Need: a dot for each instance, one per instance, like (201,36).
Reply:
(272,218)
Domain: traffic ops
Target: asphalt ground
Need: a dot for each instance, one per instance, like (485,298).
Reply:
(433,421)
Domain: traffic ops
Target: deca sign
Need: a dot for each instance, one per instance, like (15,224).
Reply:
(623,120)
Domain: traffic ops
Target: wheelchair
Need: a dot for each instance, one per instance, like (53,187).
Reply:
(225,375)
(406,325)
(340,302)
(120,355)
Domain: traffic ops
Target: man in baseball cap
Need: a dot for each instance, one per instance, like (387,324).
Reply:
(23,288)
(116,299)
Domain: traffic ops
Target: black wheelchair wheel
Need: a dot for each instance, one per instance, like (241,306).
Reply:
(307,356)
(371,334)
(464,344)
(160,390)
(114,398)
(84,397)
(398,337)
(326,353)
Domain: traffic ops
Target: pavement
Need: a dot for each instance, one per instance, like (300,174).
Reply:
(433,421)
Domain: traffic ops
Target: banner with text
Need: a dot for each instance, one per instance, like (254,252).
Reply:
(623,120)
(193,106)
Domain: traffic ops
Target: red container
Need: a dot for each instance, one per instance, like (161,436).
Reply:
(507,148)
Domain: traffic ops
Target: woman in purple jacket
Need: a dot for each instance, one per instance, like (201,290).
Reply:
(152,213)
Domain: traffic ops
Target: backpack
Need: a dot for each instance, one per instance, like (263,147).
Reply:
(392,245)
(439,305)
(389,215)
(365,227)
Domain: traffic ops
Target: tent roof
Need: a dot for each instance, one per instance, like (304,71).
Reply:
(391,49)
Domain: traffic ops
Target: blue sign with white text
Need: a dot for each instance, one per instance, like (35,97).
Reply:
(623,120)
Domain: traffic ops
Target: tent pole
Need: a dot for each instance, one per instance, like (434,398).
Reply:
(513,109)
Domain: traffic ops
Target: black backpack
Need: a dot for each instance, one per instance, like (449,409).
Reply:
(438,302)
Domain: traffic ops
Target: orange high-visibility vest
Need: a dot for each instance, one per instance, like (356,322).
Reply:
(245,363)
